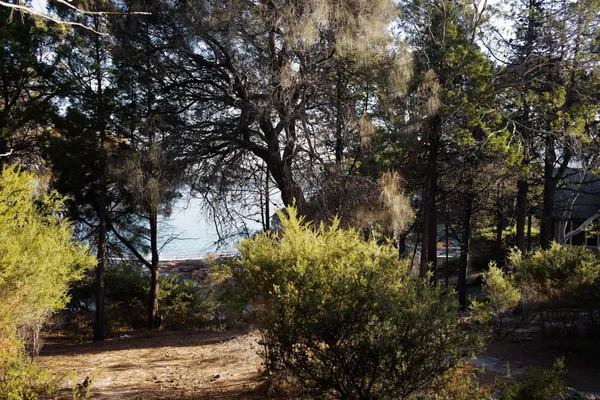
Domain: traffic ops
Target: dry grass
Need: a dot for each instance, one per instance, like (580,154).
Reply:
(165,365)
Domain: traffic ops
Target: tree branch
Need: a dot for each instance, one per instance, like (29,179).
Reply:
(130,247)
(581,227)
(31,11)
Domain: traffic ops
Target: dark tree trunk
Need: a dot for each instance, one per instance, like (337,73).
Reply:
(402,245)
(154,284)
(523,183)
(529,232)
(446,232)
(280,169)
(4,150)
(339,124)
(498,242)
(424,232)
(549,188)
(522,208)
(550,183)
(291,193)
(101,195)
(279,164)
(101,255)
(429,240)
(267,201)
(464,245)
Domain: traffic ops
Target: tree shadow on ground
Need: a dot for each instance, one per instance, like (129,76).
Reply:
(164,365)
(582,371)
(57,345)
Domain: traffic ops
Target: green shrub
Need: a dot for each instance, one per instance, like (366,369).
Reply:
(127,286)
(126,291)
(38,261)
(23,379)
(561,274)
(344,317)
(536,384)
(460,383)
(182,304)
(502,297)
(561,286)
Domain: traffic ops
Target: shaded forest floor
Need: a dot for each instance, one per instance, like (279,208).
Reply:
(582,369)
(225,365)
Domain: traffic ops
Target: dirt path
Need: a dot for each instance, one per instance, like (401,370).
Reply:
(165,365)
(226,365)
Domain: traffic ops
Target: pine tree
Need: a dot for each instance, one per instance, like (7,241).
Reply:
(550,83)
(80,146)
(147,170)
(452,88)
(26,85)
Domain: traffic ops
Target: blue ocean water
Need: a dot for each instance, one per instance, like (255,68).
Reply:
(188,234)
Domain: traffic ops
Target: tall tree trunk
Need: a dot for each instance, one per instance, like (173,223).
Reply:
(522,208)
(446,233)
(339,124)
(464,245)
(498,242)
(402,244)
(101,255)
(523,183)
(154,284)
(529,232)
(291,193)
(424,231)
(429,240)
(102,209)
(550,183)
(549,188)
(267,201)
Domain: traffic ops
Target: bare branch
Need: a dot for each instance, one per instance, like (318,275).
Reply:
(581,227)
(31,11)
(86,12)
(7,154)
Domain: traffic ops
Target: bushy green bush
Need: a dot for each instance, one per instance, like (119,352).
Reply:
(561,274)
(344,316)
(460,383)
(182,304)
(561,290)
(536,384)
(503,296)
(38,261)
(23,379)
(126,294)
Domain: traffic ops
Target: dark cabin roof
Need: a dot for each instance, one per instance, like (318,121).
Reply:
(577,195)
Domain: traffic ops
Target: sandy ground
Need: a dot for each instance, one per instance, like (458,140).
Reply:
(226,365)
(164,365)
